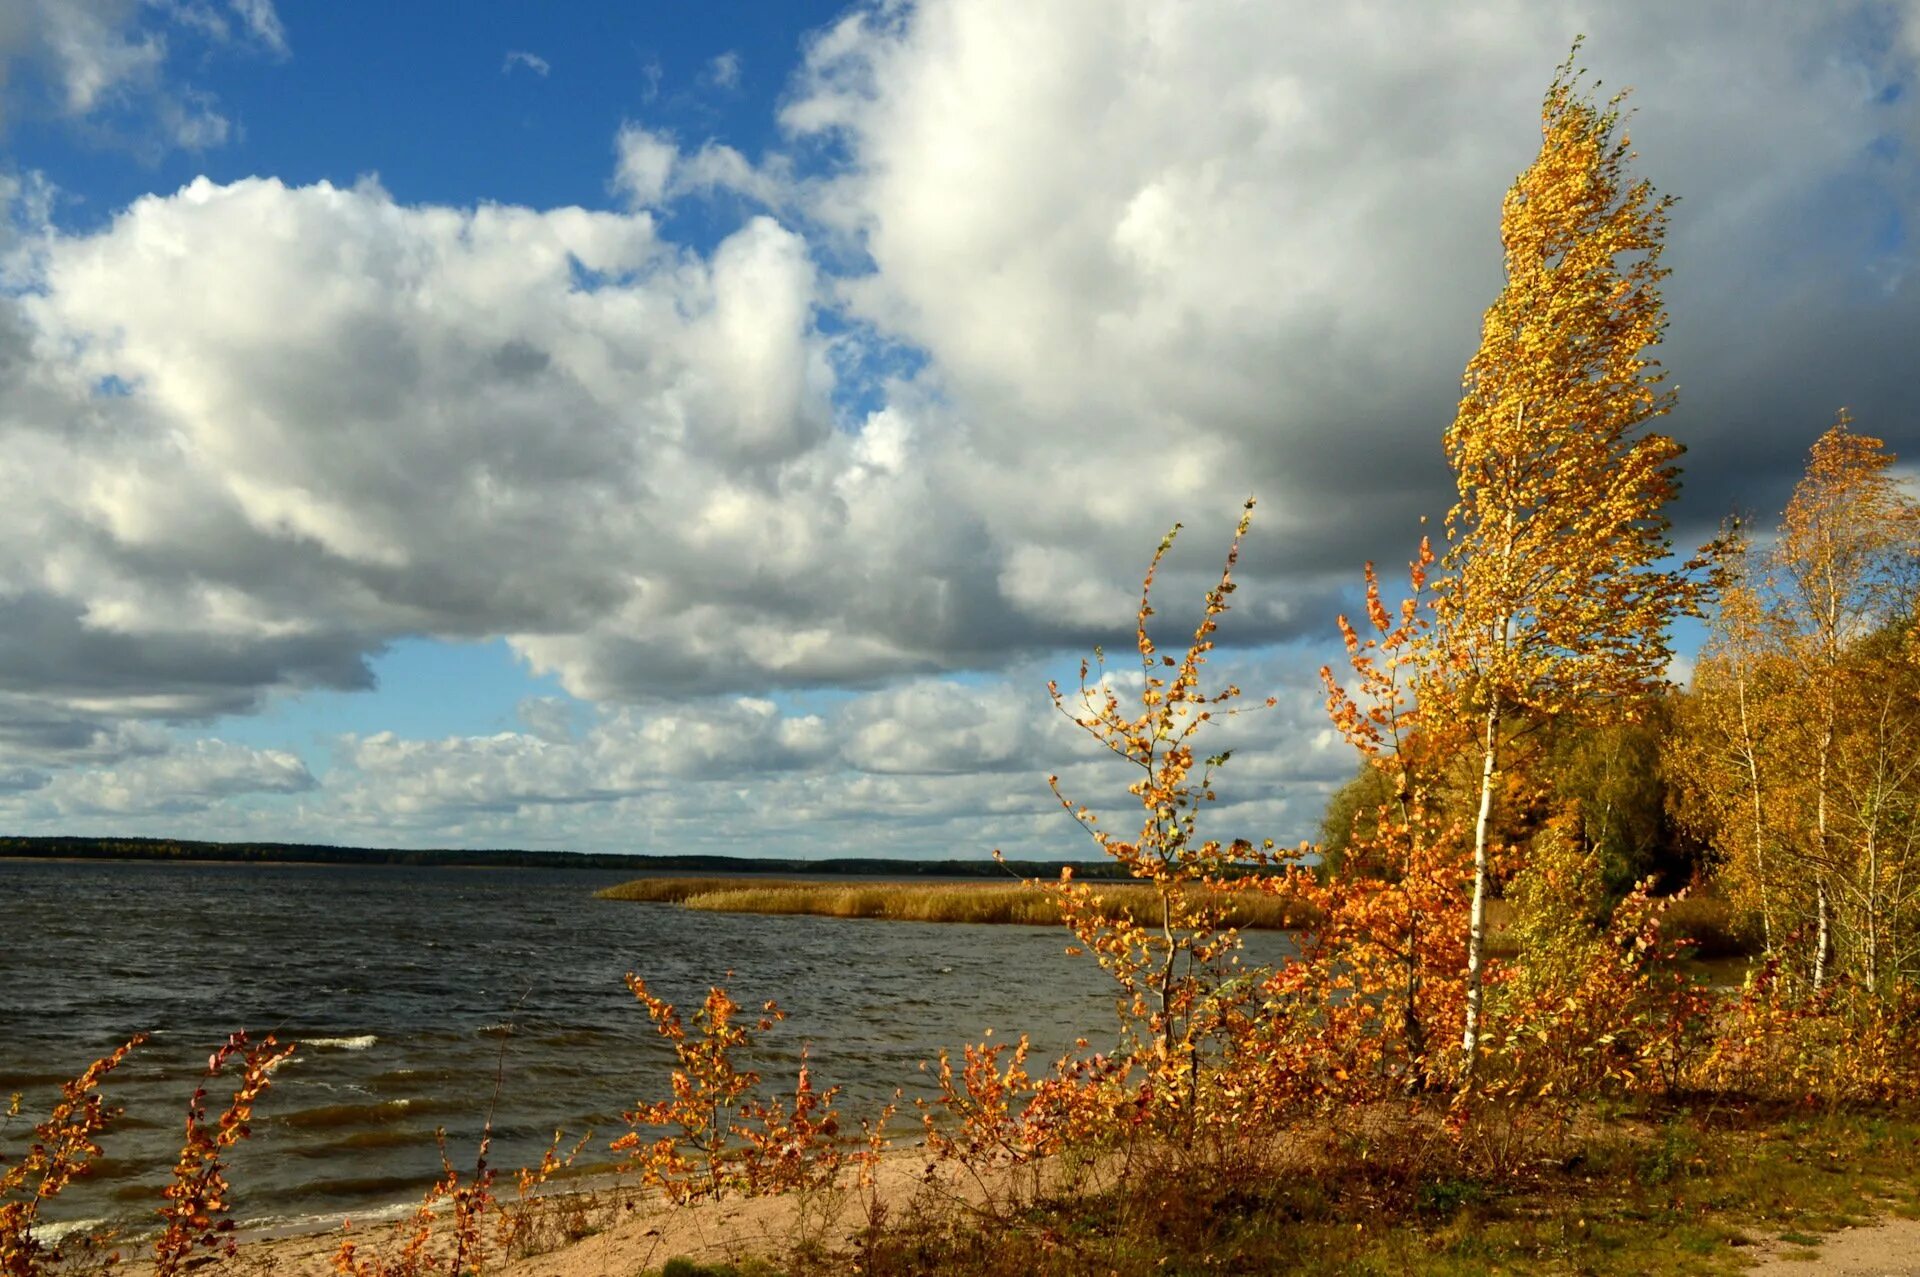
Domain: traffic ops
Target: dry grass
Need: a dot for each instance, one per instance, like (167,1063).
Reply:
(1705,921)
(1019,904)
(674,890)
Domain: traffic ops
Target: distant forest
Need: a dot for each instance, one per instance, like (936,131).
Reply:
(292,853)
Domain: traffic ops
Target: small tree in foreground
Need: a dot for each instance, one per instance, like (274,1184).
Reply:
(1171,970)
(64,1148)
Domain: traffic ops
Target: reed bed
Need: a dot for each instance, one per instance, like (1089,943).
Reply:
(675,890)
(1021,904)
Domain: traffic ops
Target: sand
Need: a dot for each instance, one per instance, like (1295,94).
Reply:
(1885,1248)
(630,1232)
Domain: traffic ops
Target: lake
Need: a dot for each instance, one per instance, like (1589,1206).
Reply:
(412,990)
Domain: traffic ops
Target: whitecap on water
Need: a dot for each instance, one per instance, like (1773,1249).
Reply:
(49,1234)
(359,1043)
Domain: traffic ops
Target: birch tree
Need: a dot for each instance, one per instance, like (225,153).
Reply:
(1552,599)
(1842,571)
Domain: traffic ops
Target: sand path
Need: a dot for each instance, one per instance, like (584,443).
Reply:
(1888,1248)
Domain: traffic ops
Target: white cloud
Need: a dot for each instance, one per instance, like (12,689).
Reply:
(187,779)
(929,767)
(113,63)
(531,61)
(643,165)
(1151,251)
(723,71)
(1086,268)
(262,21)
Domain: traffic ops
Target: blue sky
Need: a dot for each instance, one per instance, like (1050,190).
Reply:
(429,100)
(706,427)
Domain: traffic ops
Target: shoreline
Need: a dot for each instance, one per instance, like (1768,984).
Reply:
(1834,1222)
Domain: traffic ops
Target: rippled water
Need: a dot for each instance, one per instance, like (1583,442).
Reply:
(400,984)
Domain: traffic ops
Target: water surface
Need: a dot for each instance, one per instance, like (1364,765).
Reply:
(417,993)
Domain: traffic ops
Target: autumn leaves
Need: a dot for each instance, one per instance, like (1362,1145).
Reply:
(1796,755)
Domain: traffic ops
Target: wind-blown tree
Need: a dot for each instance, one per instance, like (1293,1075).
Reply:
(1553,600)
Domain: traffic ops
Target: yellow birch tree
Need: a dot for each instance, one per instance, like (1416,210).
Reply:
(1552,600)
(1844,567)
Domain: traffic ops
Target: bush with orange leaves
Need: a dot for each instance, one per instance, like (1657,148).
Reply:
(1377,995)
(994,1113)
(1780,1040)
(198,1209)
(423,1246)
(1595,1002)
(64,1148)
(66,1145)
(466,1205)
(720,1136)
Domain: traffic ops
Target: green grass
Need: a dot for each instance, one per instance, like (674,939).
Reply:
(1009,903)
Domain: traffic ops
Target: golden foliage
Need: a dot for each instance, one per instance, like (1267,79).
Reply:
(65,1146)
(1552,600)
(719,1135)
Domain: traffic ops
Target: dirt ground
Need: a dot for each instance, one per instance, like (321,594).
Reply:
(1888,1248)
(620,1234)
(624,1233)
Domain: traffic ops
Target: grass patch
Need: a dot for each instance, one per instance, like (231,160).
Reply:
(682,1267)
(1654,1192)
(1018,904)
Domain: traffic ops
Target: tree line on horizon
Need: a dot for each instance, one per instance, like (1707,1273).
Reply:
(78,847)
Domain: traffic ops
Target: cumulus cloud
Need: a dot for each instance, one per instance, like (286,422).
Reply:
(1255,241)
(644,163)
(176,781)
(1023,286)
(932,766)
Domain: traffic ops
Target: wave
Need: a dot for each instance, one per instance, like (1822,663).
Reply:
(50,1233)
(272,1226)
(329,1115)
(360,1043)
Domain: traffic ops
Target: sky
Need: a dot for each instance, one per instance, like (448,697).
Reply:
(666,427)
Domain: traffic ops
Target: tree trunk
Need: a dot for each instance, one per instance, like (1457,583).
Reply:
(1759,819)
(1822,934)
(1823,905)
(1416,1033)
(1477,926)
